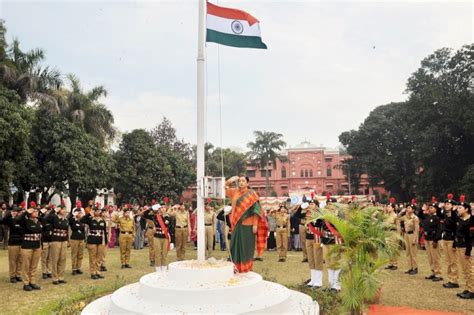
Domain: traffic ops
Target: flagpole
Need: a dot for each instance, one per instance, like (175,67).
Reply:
(201,123)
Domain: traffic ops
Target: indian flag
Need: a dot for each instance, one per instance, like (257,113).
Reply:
(232,27)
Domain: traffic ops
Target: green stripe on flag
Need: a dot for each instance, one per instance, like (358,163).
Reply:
(234,40)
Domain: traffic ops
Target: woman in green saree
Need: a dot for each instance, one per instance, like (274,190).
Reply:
(249,225)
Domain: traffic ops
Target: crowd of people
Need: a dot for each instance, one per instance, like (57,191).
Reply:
(40,235)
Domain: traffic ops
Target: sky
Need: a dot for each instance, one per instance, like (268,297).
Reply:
(328,63)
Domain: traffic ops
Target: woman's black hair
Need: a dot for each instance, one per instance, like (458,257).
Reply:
(246,177)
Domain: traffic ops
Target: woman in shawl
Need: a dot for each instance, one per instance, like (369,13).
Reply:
(248,224)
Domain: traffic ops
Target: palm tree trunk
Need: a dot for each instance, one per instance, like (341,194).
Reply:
(267,182)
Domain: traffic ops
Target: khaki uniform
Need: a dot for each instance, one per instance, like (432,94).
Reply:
(282,233)
(14,260)
(127,235)
(30,260)
(412,227)
(151,239)
(210,225)
(77,253)
(46,258)
(392,221)
(181,232)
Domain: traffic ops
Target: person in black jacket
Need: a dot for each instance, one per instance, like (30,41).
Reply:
(449,222)
(30,246)
(432,230)
(463,242)
(14,243)
(46,238)
(76,240)
(96,240)
(60,224)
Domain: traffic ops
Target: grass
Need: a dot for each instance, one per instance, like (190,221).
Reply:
(398,289)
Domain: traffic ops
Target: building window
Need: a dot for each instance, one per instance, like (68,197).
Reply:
(263,173)
(302,173)
(310,173)
(251,173)
(306,174)
(283,172)
(329,171)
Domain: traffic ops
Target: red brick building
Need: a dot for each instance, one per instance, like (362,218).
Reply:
(308,167)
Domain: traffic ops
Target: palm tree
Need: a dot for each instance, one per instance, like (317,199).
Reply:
(264,150)
(368,245)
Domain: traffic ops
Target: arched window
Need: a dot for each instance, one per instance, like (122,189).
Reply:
(306,174)
(283,172)
(302,173)
(311,173)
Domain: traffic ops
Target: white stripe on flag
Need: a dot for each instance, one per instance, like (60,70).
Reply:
(224,25)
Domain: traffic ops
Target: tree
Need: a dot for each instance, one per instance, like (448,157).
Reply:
(264,150)
(165,135)
(67,158)
(233,163)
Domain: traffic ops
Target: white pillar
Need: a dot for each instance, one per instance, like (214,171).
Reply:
(201,123)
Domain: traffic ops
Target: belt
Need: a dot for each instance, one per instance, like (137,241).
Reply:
(181,227)
(59,232)
(411,232)
(281,226)
(151,227)
(208,224)
(123,232)
(96,233)
(32,237)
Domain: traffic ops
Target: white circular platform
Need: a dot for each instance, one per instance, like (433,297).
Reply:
(189,287)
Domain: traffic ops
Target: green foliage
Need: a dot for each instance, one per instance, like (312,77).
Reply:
(234,162)
(368,245)
(424,146)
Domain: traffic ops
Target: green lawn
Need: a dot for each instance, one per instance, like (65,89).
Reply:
(398,288)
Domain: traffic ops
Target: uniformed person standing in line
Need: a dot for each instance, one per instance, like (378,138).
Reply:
(96,240)
(104,213)
(30,246)
(463,243)
(46,239)
(282,219)
(313,246)
(210,229)
(432,228)
(14,244)
(182,229)
(126,225)
(331,237)
(412,226)
(392,221)
(148,215)
(59,239)
(162,237)
(77,240)
(449,231)
(301,215)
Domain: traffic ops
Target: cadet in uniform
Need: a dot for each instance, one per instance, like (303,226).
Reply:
(210,229)
(148,215)
(449,231)
(60,225)
(432,230)
(104,213)
(313,246)
(96,240)
(331,237)
(182,230)
(127,234)
(301,214)
(14,244)
(46,238)
(282,220)
(77,240)
(411,225)
(463,242)
(30,246)
(162,237)
(392,221)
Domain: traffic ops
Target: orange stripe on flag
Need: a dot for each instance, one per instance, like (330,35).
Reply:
(229,13)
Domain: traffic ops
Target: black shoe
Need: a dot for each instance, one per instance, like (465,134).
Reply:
(79,272)
(50,275)
(74,272)
(123,267)
(100,276)
(94,277)
(409,271)
(436,279)
(13,280)
(258,259)
(304,260)
(430,277)
(45,275)
(461,293)
(55,282)
(307,281)
(128,266)
(450,285)
(62,281)
(35,286)
(103,268)
(280,260)
(27,287)
(152,264)
(394,268)
(413,272)
(468,295)
(18,278)
(389,267)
